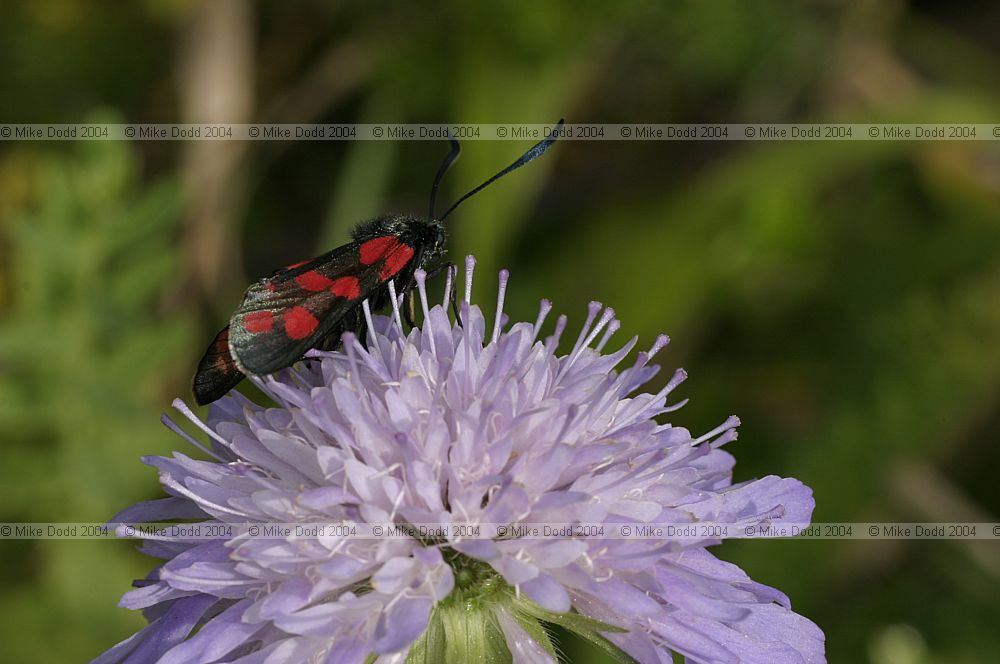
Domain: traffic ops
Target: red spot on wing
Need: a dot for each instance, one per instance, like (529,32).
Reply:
(299,323)
(313,281)
(396,260)
(269,285)
(348,287)
(377,249)
(258,321)
(295,265)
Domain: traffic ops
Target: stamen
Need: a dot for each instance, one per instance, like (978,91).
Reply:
(173,426)
(606,318)
(592,310)
(731,423)
(643,358)
(421,278)
(552,341)
(368,316)
(612,328)
(727,437)
(200,500)
(470,268)
(543,310)
(582,343)
(395,307)
(501,295)
(186,412)
(679,377)
(372,339)
(661,341)
(449,278)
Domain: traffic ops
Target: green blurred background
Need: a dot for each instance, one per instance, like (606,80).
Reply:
(842,297)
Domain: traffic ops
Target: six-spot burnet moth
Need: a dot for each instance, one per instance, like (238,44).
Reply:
(311,304)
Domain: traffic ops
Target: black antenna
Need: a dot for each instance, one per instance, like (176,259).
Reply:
(456,150)
(532,154)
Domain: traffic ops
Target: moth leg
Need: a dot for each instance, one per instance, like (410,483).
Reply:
(409,309)
(454,307)
(438,269)
(410,305)
(453,292)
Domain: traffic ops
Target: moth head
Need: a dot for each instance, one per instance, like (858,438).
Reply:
(436,237)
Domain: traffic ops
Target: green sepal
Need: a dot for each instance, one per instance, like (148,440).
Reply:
(460,632)
(429,648)
(536,630)
(483,640)
(586,628)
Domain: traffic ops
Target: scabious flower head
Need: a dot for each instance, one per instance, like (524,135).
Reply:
(460,423)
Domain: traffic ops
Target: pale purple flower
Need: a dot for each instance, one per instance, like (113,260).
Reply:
(469,423)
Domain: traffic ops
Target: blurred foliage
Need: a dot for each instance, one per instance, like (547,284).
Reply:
(841,297)
(86,351)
